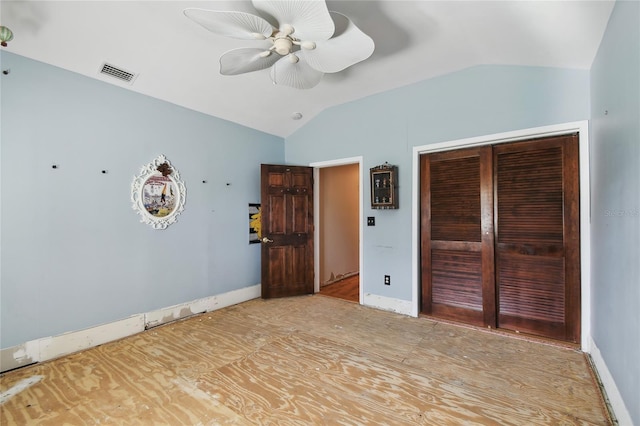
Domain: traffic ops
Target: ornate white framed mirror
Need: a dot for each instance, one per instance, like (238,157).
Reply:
(158,194)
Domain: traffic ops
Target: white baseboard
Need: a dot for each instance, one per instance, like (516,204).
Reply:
(207,304)
(75,341)
(48,348)
(388,303)
(613,394)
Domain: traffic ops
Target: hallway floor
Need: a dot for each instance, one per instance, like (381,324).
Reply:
(347,289)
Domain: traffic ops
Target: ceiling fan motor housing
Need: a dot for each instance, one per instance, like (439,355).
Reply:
(282,44)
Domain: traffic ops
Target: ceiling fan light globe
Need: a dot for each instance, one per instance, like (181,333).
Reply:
(293,58)
(287,29)
(265,53)
(258,36)
(309,45)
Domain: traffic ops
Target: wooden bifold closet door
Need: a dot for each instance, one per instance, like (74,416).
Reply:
(500,236)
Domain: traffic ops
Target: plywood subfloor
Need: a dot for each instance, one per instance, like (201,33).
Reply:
(309,360)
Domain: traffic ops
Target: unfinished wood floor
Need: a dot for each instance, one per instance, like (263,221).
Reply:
(310,360)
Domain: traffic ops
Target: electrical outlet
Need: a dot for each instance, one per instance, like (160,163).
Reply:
(371,221)
(387,280)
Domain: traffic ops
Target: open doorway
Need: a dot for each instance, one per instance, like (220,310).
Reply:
(338,231)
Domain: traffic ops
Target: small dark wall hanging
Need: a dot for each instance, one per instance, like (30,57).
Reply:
(384,185)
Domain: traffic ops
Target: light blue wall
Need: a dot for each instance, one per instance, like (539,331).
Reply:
(74,253)
(615,199)
(477,101)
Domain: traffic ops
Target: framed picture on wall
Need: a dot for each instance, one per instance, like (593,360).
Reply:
(254,223)
(158,193)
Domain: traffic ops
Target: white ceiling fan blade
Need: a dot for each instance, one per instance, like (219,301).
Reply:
(309,18)
(231,24)
(348,46)
(240,61)
(298,75)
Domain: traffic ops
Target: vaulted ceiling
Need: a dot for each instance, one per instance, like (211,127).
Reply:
(176,60)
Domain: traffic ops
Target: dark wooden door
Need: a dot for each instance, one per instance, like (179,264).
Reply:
(287,230)
(457,236)
(500,236)
(537,237)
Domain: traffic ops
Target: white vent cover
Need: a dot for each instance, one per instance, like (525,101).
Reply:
(118,73)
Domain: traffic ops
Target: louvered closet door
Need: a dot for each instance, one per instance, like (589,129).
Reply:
(500,236)
(457,236)
(537,237)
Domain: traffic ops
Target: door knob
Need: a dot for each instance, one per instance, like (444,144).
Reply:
(266,240)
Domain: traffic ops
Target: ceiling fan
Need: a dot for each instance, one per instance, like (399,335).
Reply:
(301,40)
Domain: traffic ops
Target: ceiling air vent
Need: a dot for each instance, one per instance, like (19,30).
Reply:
(118,73)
